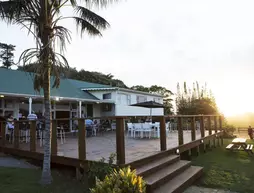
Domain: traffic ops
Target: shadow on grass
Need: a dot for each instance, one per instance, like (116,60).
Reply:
(227,170)
(20,180)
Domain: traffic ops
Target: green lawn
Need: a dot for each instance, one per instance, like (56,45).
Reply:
(227,170)
(17,180)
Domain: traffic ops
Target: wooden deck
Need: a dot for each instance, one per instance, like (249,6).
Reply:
(103,145)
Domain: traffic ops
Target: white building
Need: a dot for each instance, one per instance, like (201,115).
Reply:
(71,98)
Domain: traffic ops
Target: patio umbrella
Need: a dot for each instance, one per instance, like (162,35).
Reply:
(149,104)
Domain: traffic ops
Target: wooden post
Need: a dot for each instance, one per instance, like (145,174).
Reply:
(120,142)
(16,135)
(3,133)
(215,130)
(209,130)
(221,129)
(33,136)
(209,125)
(180,130)
(202,131)
(81,139)
(163,137)
(54,138)
(194,151)
(193,129)
(215,124)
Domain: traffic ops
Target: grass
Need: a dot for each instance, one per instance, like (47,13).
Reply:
(19,180)
(227,170)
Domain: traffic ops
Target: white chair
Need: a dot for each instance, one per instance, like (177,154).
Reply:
(137,128)
(113,126)
(168,128)
(61,133)
(157,129)
(147,129)
(130,129)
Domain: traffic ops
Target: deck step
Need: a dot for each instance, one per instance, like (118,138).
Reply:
(165,174)
(179,183)
(156,165)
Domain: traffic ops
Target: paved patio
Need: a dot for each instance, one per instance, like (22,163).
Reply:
(103,145)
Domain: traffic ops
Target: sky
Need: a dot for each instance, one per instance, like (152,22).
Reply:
(168,42)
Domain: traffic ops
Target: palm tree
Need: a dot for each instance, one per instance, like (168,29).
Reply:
(41,18)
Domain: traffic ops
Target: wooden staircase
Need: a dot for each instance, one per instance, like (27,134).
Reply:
(168,174)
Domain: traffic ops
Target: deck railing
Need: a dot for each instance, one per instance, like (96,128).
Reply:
(208,123)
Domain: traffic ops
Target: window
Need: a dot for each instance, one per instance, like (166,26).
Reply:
(9,104)
(141,99)
(158,100)
(106,107)
(124,99)
(128,99)
(106,96)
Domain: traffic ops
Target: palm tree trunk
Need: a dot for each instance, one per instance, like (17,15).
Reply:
(46,172)
(46,177)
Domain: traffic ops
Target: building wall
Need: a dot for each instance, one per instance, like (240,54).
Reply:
(99,94)
(96,110)
(137,111)
(125,99)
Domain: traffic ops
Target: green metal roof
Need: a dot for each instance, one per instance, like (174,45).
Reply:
(20,82)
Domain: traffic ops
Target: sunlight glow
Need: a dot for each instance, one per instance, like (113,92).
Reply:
(235,98)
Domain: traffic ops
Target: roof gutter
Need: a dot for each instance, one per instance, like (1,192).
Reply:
(54,97)
(122,89)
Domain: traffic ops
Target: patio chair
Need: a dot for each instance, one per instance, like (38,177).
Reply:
(113,126)
(168,128)
(137,128)
(147,129)
(130,129)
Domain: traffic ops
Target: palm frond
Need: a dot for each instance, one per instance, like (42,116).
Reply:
(99,3)
(84,25)
(62,35)
(58,65)
(93,18)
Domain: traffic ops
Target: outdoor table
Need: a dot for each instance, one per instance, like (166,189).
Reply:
(240,143)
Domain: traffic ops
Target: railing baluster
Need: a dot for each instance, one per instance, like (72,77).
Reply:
(54,138)
(33,136)
(163,140)
(3,133)
(220,127)
(120,141)
(180,130)
(215,124)
(193,129)
(209,127)
(202,131)
(194,151)
(16,135)
(81,139)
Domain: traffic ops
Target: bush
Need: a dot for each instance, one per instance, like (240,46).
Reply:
(122,181)
(99,170)
(229,131)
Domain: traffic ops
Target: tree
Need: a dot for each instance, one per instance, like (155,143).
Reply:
(73,73)
(195,101)
(42,20)
(7,55)
(167,100)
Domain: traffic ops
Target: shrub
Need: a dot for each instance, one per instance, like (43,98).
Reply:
(100,169)
(228,131)
(122,181)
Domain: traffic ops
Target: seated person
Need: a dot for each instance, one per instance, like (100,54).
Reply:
(32,116)
(89,126)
